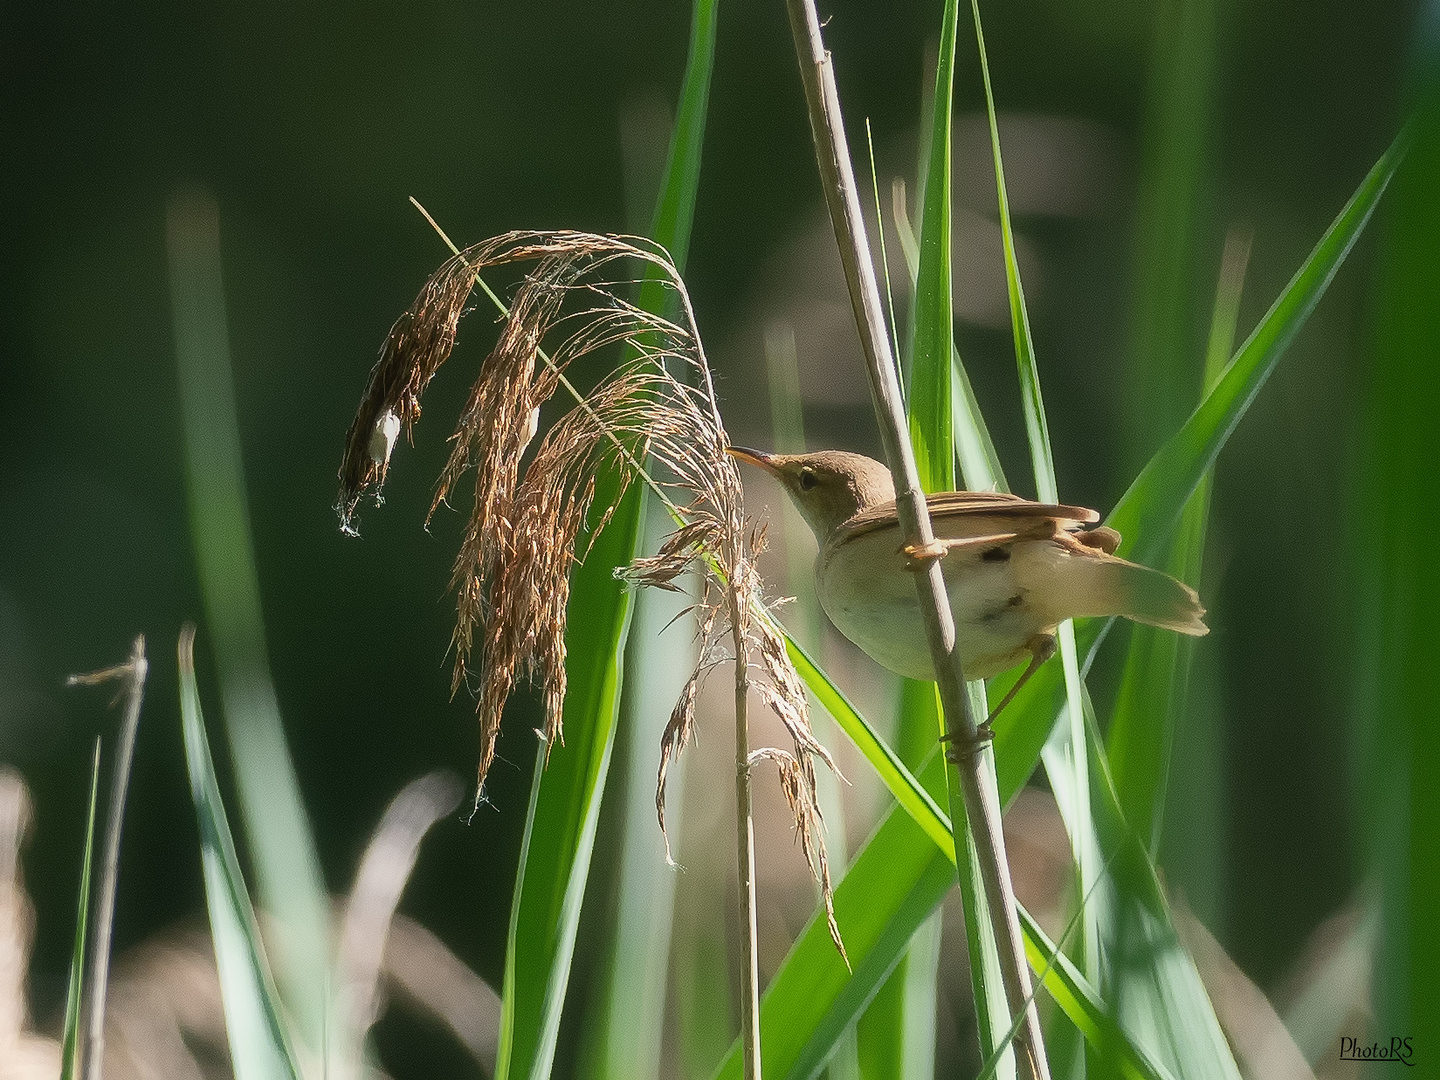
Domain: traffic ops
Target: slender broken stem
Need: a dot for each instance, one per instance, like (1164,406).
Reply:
(132,674)
(979,801)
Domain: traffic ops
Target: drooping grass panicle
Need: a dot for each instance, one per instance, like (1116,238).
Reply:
(797,784)
(530,523)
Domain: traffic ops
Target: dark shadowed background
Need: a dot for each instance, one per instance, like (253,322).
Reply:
(311,124)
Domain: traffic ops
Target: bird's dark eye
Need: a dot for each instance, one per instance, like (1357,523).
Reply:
(808,479)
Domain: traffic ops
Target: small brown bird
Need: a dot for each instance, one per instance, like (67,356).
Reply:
(1014,569)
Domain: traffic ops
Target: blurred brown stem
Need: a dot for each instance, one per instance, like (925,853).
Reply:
(976,765)
(745,849)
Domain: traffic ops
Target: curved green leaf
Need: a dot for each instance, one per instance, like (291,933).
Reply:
(931,420)
(272,811)
(1065,763)
(565,802)
(916,801)
(1145,515)
(259,1043)
(1176,1017)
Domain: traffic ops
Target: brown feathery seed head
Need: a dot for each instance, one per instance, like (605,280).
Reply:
(530,524)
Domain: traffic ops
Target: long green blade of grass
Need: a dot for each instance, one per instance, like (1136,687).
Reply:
(1164,1002)
(287,867)
(624,1034)
(259,1044)
(910,1001)
(1161,380)
(565,803)
(916,800)
(70,1063)
(1149,705)
(702,1003)
(565,799)
(1149,508)
(1160,492)
(809,1021)
(981,467)
(1173,1013)
(629,1022)
(1146,514)
(896,1034)
(975,454)
(1065,761)
(930,416)
(675,213)
(929,402)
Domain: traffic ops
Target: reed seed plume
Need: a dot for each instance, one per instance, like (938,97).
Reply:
(530,524)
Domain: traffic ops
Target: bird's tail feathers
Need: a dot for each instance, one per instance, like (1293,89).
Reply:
(1118,587)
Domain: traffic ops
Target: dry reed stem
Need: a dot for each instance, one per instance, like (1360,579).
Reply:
(530,524)
(977,798)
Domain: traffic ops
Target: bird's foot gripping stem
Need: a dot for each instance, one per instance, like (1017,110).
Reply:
(962,751)
(918,556)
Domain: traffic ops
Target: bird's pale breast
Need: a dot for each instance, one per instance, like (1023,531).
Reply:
(868,592)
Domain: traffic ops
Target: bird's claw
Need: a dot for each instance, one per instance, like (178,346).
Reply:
(918,555)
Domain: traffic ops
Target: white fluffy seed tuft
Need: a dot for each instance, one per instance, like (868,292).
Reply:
(382,438)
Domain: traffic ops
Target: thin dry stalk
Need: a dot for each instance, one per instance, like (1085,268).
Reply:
(530,524)
(745,856)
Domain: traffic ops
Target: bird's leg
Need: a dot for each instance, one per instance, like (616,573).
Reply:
(1042,648)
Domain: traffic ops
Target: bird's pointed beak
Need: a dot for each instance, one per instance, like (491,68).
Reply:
(752,457)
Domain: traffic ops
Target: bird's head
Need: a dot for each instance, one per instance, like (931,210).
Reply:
(828,487)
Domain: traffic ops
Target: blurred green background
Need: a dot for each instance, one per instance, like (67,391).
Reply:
(312,124)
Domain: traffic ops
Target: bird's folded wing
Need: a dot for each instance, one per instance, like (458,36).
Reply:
(977,513)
